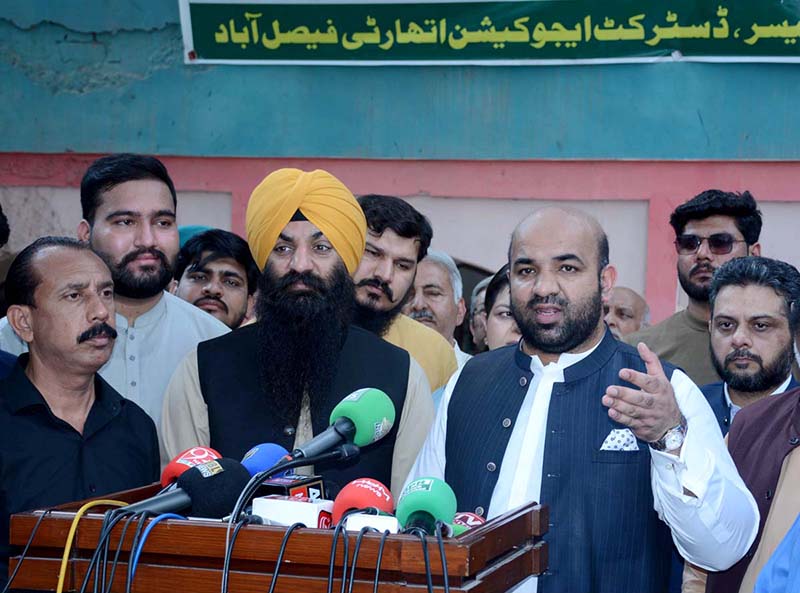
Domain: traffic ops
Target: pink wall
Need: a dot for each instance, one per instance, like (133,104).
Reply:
(663,184)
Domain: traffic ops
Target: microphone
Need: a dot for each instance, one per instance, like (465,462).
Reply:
(209,490)
(263,456)
(425,501)
(184,460)
(363,417)
(464,521)
(363,493)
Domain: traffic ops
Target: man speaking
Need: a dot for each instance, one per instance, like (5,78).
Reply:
(278,380)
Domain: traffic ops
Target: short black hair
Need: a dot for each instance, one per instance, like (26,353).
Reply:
(110,171)
(22,279)
(5,231)
(219,244)
(781,277)
(496,285)
(384,212)
(741,207)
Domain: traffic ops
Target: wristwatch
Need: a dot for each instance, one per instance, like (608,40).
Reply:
(672,439)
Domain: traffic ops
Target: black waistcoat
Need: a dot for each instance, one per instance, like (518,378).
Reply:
(604,536)
(240,415)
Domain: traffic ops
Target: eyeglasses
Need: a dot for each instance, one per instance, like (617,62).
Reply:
(718,243)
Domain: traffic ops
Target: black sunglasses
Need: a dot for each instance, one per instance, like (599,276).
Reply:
(718,243)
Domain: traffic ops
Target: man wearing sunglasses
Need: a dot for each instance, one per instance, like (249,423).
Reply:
(710,229)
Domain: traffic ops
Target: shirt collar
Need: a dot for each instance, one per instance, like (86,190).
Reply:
(565,360)
(21,393)
(150,317)
(781,388)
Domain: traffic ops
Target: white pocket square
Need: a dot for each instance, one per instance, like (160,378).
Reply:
(620,439)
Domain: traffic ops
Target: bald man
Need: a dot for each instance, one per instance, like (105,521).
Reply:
(618,446)
(279,379)
(625,312)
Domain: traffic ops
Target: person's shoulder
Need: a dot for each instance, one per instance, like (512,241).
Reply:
(358,336)
(7,363)
(776,406)
(205,324)
(656,331)
(129,409)
(710,389)
(420,332)
(491,358)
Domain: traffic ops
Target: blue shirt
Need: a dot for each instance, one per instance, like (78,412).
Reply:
(781,573)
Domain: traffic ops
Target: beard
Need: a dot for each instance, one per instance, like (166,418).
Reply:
(579,321)
(301,335)
(145,284)
(695,291)
(375,320)
(767,376)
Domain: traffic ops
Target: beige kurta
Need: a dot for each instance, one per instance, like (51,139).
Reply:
(184,422)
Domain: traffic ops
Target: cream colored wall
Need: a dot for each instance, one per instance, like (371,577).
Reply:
(37,211)
(477,231)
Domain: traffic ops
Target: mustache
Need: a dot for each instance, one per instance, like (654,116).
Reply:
(701,267)
(420,315)
(101,329)
(743,353)
(550,299)
(311,280)
(129,257)
(375,283)
(211,299)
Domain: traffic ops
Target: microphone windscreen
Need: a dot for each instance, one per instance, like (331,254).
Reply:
(184,460)
(429,495)
(262,457)
(214,487)
(371,411)
(362,493)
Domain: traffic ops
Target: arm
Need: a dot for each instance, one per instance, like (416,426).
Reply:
(184,417)
(415,420)
(698,492)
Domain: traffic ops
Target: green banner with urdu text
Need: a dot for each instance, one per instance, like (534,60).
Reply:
(513,32)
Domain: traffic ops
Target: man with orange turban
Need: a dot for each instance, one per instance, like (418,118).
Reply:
(279,379)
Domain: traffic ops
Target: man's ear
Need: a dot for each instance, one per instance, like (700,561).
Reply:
(84,231)
(462,311)
(755,249)
(251,309)
(172,287)
(608,279)
(20,319)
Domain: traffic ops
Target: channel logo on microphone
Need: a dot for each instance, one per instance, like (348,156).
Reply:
(381,428)
(209,468)
(420,485)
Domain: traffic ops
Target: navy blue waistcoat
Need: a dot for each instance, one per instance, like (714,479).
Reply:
(240,415)
(604,536)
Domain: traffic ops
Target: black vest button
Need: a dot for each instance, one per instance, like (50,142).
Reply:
(288,431)
(523,381)
(768,495)
(794,441)
(491,466)
(479,511)
(506,422)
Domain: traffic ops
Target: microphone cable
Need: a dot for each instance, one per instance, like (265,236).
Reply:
(356,550)
(442,556)
(109,522)
(137,534)
(426,558)
(134,561)
(281,552)
(114,563)
(379,560)
(62,573)
(25,549)
(226,566)
(340,530)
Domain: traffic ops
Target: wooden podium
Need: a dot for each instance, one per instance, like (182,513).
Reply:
(187,556)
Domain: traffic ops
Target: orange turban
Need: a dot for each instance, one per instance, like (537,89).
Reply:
(321,198)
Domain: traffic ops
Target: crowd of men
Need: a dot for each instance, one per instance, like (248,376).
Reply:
(129,343)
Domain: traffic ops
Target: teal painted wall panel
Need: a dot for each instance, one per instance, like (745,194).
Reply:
(109,77)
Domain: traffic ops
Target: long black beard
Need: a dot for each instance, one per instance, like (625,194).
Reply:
(301,336)
(373,320)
